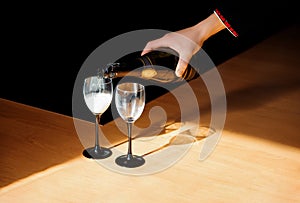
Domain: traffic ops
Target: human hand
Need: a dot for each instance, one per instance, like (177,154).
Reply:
(186,42)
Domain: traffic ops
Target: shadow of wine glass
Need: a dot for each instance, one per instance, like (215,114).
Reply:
(170,126)
(187,137)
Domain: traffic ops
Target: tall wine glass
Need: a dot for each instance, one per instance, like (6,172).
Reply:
(97,94)
(130,103)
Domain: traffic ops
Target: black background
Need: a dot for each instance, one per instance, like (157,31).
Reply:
(44,45)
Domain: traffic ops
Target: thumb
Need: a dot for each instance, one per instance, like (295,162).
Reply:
(180,68)
(145,51)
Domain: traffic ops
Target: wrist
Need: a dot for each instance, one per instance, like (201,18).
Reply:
(208,27)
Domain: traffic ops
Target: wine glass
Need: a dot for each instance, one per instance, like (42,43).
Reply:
(130,103)
(97,93)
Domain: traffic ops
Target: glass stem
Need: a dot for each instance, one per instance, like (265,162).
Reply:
(129,126)
(97,131)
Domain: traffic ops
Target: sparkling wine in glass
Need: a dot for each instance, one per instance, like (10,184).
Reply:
(130,103)
(97,92)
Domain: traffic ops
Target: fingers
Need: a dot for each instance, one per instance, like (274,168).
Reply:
(148,48)
(180,68)
(153,45)
(178,45)
(183,59)
(145,51)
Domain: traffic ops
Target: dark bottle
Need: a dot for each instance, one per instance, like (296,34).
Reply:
(156,66)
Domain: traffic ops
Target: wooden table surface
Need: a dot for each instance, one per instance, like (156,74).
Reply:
(257,158)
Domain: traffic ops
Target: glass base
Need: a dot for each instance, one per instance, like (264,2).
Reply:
(130,161)
(97,152)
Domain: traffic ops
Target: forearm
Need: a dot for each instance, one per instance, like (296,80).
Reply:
(209,27)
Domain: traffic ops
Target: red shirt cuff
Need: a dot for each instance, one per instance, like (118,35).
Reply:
(226,23)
